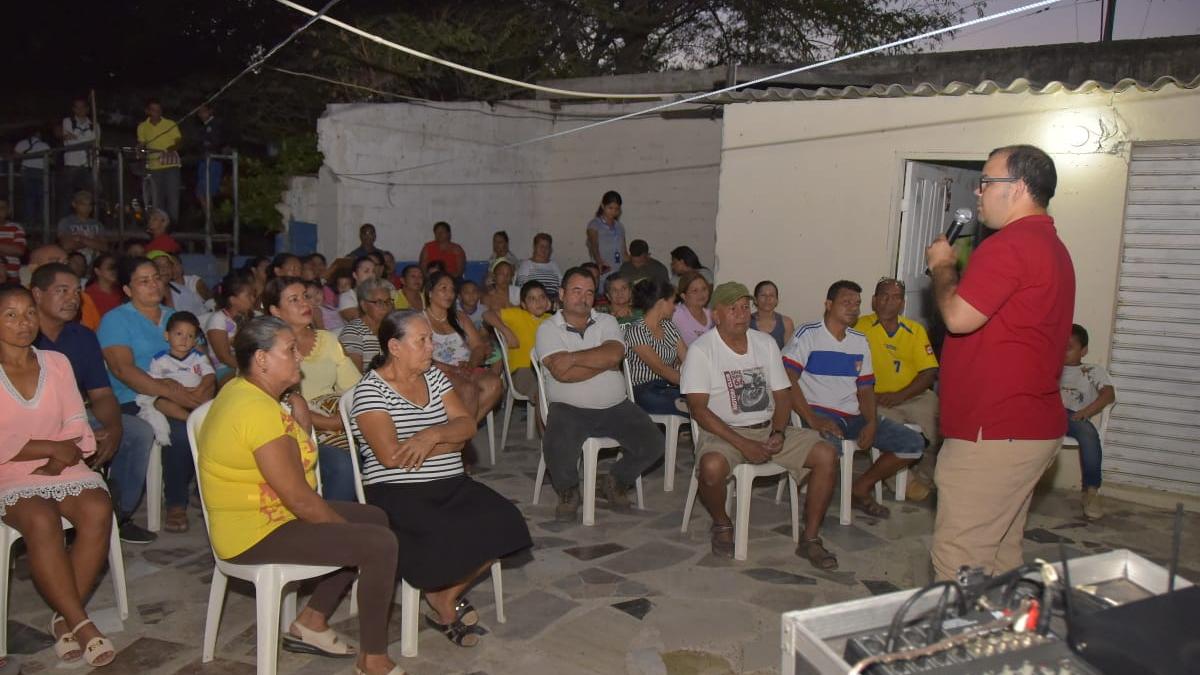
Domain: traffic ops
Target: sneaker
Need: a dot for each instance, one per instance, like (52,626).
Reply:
(568,505)
(617,496)
(1092,509)
(131,533)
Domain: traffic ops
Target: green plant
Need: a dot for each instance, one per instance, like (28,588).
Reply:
(261,181)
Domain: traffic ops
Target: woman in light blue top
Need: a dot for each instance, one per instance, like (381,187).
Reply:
(606,235)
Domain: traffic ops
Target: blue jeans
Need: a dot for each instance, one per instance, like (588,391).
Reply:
(127,468)
(1090,453)
(657,397)
(890,436)
(337,474)
(178,468)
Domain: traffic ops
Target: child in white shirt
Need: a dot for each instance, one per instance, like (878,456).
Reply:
(1086,390)
(183,363)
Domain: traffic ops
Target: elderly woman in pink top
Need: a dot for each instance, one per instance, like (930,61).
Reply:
(44,478)
(692,316)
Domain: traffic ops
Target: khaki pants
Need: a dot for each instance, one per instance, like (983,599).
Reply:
(984,489)
(797,443)
(922,410)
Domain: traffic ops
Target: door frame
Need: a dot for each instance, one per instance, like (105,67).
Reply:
(900,162)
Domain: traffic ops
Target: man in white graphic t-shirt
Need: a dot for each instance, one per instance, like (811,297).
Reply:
(737,391)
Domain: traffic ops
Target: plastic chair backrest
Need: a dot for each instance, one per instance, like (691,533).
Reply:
(628,377)
(194,422)
(543,402)
(344,403)
(504,359)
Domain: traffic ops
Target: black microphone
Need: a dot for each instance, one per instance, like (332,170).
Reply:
(961,218)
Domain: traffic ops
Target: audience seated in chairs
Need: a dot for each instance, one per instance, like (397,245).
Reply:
(359,337)
(655,349)
(327,374)
(364,268)
(123,441)
(582,350)
(235,306)
(692,316)
(500,290)
(459,349)
(411,427)
(779,326)
(737,391)
(257,470)
(131,336)
(833,382)
(44,478)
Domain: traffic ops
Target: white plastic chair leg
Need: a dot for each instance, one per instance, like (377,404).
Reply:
(779,491)
(847,478)
(794,489)
(116,567)
(498,589)
(530,422)
(901,481)
(154,489)
(693,488)
(641,503)
(509,402)
(491,432)
(6,542)
(537,482)
(672,448)
(267,601)
(287,614)
(410,614)
(743,478)
(878,484)
(591,456)
(216,601)
(354,598)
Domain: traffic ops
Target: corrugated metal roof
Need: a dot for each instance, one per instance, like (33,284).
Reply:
(1017,86)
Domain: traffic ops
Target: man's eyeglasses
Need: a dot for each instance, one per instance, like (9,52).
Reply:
(378,303)
(982,184)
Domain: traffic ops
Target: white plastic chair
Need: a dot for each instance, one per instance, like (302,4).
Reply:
(590,455)
(410,598)
(742,485)
(511,394)
(673,423)
(154,489)
(846,478)
(270,581)
(116,567)
(1069,442)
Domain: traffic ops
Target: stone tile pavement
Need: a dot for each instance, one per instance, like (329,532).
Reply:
(630,595)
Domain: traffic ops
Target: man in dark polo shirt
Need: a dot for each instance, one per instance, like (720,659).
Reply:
(1009,319)
(123,439)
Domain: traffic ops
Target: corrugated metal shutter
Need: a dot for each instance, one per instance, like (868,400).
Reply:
(1153,437)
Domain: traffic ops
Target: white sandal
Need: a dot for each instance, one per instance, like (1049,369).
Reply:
(66,643)
(97,648)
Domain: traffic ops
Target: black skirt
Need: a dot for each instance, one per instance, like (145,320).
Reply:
(448,528)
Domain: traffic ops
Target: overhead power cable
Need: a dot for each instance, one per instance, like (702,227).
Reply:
(466,69)
(724,90)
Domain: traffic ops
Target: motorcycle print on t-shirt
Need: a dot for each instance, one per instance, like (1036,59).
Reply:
(747,390)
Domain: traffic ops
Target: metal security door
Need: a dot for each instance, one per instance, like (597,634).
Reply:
(932,193)
(1153,431)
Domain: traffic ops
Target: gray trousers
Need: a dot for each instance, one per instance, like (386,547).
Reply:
(165,186)
(568,427)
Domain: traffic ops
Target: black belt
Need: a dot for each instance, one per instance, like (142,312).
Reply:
(760,425)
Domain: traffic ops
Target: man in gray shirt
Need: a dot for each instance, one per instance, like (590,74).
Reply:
(581,352)
(641,266)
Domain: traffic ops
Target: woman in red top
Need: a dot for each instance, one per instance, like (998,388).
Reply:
(451,255)
(104,290)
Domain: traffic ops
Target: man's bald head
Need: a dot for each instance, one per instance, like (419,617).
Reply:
(43,255)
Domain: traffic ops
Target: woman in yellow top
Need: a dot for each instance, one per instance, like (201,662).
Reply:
(256,474)
(328,372)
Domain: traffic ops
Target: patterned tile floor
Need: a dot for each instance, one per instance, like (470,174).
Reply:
(629,595)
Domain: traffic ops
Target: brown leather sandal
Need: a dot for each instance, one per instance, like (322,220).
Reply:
(721,546)
(815,552)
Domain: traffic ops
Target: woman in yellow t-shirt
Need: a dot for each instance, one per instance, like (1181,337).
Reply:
(256,471)
(328,373)
(518,326)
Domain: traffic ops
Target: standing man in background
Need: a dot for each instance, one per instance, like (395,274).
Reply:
(1008,319)
(33,177)
(161,138)
(78,133)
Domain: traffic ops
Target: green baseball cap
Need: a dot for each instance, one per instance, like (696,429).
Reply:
(729,293)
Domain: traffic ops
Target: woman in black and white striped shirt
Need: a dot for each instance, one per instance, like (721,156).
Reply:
(655,349)
(411,428)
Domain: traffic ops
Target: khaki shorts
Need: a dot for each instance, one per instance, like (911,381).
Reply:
(796,446)
(525,382)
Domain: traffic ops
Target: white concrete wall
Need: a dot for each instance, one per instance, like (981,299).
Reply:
(810,191)
(666,171)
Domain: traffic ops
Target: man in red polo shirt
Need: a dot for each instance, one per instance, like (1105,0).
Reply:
(1009,319)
